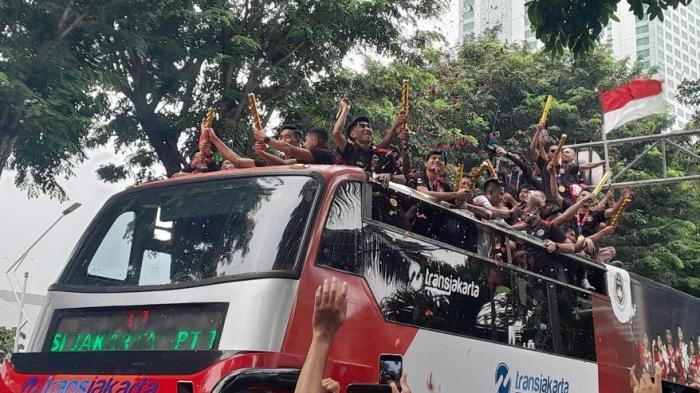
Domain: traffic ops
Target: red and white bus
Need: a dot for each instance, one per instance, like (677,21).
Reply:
(205,283)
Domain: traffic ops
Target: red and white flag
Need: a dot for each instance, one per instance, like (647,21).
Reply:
(634,100)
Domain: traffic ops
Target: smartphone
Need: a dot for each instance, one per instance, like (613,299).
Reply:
(362,388)
(390,368)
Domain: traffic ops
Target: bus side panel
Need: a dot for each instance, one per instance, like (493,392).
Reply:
(612,349)
(662,323)
(363,337)
(438,362)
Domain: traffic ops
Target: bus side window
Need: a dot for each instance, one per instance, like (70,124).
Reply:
(341,237)
(412,214)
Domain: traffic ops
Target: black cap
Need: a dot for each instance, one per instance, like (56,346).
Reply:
(355,122)
(436,153)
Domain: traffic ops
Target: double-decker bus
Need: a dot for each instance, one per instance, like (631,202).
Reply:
(205,283)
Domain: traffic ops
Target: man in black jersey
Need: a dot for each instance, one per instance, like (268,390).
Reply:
(430,182)
(314,150)
(541,260)
(356,148)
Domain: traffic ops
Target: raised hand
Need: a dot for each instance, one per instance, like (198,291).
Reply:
(403,137)
(259,134)
(260,147)
(404,385)
(463,194)
(645,384)
(330,385)
(344,104)
(500,151)
(401,119)
(330,307)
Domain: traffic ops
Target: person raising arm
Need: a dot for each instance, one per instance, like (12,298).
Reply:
(227,153)
(314,151)
(338,136)
(330,308)
(535,142)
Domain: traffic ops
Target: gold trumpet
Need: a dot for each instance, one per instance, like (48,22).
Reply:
(253,104)
(460,174)
(618,212)
(404,101)
(545,111)
(489,166)
(206,123)
(477,171)
(555,158)
(209,119)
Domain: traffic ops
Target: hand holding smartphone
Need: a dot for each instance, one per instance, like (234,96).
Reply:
(390,369)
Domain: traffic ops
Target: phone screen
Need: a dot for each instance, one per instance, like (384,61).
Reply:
(390,368)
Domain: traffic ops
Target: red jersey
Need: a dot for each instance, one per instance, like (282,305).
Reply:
(660,365)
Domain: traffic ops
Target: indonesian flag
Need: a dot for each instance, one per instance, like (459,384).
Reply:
(636,99)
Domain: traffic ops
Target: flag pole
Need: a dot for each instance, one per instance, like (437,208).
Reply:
(605,148)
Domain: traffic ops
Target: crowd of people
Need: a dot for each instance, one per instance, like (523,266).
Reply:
(674,358)
(546,199)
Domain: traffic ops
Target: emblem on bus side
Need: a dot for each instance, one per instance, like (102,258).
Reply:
(502,379)
(619,290)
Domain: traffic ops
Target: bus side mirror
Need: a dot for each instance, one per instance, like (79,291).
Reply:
(368,388)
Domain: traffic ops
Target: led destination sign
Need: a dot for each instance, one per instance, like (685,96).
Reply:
(180,327)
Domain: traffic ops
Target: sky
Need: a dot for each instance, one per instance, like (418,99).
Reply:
(25,219)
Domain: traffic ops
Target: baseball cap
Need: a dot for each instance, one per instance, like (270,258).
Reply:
(355,122)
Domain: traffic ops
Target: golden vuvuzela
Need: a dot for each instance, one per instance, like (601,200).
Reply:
(555,158)
(477,171)
(253,105)
(404,101)
(618,212)
(545,111)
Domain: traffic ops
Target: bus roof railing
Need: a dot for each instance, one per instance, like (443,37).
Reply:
(493,225)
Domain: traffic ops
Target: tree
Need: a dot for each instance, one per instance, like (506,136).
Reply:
(45,109)
(457,101)
(689,94)
(168,60)
(7,339)
(577,25)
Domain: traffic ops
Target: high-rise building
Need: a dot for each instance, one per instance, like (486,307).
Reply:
(477,16)
(672,47)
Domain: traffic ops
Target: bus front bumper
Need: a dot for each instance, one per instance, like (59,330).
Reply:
(148,372)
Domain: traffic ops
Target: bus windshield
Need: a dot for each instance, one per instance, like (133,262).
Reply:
(188,233)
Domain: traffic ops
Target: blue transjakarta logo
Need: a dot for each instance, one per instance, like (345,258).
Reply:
(502,379)
(525,383)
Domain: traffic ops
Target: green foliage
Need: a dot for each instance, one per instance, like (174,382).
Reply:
(162,63)
(455,102)
(660,233)
(576,25)
(689,94)
(169,60)
(45,109)
(7,339)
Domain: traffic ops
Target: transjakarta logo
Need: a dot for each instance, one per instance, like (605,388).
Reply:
(95,385)
(440,283)
(527,383)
